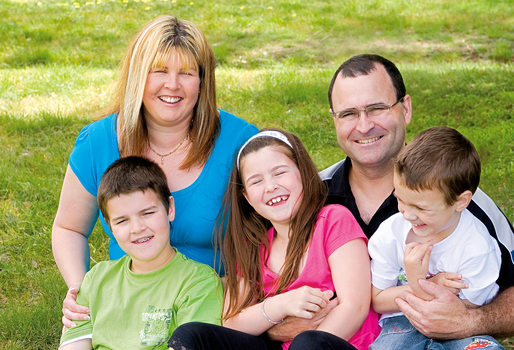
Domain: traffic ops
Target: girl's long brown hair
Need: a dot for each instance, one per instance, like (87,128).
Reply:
(246,230)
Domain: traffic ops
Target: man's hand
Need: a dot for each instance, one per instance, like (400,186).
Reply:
(71,310)
(444,317)
(292,326)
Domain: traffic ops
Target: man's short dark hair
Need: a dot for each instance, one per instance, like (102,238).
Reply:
(128,175)
(363,65)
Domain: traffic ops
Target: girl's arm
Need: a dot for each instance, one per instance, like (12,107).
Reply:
(302,302)
(351,275)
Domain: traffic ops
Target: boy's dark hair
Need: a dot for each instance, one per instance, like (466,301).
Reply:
(128,175)
(363,65)
(440,158)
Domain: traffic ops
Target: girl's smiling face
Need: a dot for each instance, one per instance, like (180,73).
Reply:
(272,184)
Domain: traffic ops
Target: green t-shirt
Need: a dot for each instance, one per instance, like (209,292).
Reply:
(141,311)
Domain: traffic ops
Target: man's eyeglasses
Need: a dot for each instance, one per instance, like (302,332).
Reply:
(372,111)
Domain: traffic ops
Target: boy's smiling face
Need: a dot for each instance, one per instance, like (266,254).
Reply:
(140,223)
(427,211)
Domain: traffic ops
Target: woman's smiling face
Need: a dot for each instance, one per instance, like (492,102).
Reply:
(171,93)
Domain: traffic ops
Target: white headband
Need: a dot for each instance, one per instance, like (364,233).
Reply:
(267,133)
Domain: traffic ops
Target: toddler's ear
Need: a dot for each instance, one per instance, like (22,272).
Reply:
(463,200)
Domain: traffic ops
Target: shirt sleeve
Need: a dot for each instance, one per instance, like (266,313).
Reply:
(201,300)
(340,227)
(95,149)
(385,252)
(481,273)
(81,161)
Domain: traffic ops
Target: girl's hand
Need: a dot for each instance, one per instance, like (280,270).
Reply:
(451,281)
(305,301)
(71,310)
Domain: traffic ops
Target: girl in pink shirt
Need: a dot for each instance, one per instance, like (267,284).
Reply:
(287,255)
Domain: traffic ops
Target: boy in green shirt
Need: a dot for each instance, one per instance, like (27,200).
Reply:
(136,302)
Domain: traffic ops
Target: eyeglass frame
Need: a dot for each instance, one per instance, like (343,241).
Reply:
(368,109)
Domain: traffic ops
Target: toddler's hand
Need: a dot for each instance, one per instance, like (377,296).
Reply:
(416,259)
(451,281)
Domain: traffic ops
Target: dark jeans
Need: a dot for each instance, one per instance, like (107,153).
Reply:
(203,336)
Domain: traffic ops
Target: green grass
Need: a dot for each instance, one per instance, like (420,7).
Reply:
(58,60)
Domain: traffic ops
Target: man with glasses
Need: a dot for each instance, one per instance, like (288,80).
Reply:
(371,110)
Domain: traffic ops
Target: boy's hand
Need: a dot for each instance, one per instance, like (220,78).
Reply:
(71,310)
(416,260)
(451,281)
(306,301)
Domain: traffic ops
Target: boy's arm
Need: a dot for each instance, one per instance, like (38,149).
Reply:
(79,337)
(201,302)
(416,261)
(83,344)
(383,301)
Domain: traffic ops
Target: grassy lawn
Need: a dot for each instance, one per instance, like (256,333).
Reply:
(58,59)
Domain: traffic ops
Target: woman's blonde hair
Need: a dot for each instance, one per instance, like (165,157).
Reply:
(160,39)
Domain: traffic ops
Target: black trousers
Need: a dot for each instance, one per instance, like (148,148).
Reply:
(203,336)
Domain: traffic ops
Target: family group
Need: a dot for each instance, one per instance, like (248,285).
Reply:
(226,237)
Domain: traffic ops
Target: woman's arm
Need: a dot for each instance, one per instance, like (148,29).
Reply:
(351,275)
(75,218)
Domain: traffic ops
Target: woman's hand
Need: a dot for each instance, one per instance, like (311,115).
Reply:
(71,310)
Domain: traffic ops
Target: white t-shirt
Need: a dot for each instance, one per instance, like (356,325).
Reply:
(469,250)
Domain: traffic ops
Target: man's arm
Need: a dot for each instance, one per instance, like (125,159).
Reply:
(292,326)
(447,317)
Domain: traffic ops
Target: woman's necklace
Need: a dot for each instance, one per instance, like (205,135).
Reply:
(172,151)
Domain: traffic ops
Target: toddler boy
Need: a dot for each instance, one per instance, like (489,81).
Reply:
(434,234)
(137,302)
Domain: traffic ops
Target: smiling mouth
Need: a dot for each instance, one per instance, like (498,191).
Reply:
(142,240)
(369,140)
(277,200)
(170,99)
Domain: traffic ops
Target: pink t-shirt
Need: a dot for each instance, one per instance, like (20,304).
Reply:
(335,227)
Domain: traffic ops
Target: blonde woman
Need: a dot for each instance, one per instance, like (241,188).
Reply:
(164,109)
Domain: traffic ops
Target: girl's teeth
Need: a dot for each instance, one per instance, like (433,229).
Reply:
(142,240)
(277,200)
